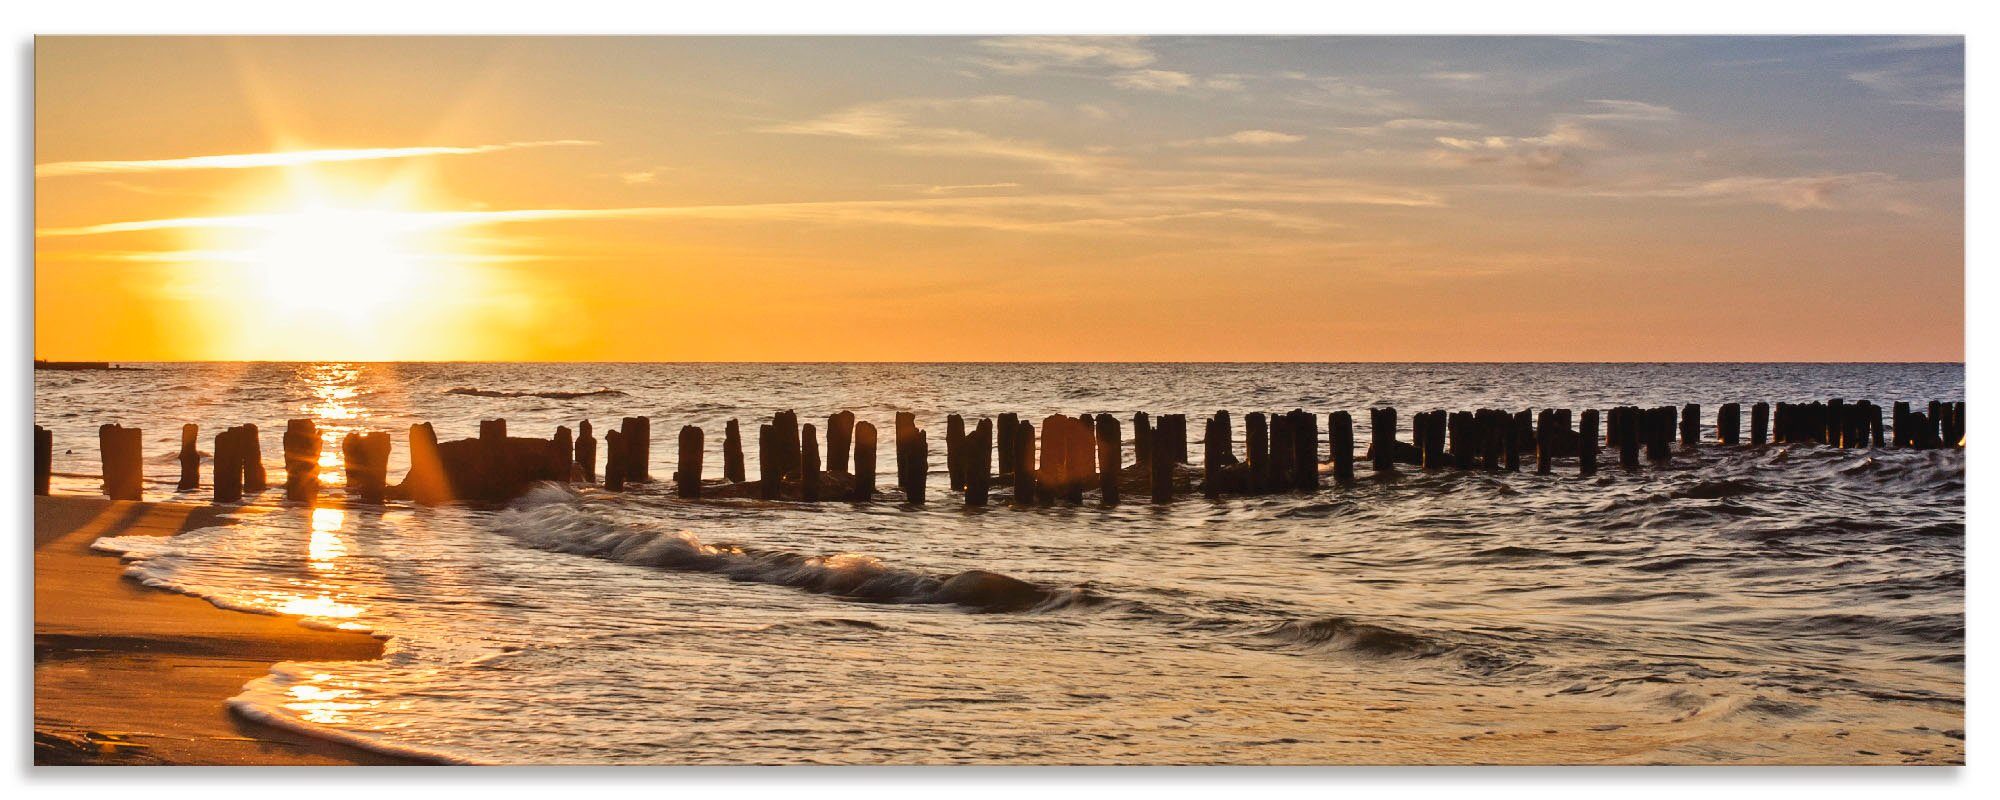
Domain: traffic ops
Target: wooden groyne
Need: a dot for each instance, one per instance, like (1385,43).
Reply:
(1073,456)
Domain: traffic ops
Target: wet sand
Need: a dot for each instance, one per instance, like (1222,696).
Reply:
(129,675)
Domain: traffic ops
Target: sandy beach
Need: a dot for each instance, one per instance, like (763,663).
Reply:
(130,675)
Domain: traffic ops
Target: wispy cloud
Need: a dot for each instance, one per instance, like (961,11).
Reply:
(1024,54)
(913,125)
(281,158)
(1255,138)
(1914,85)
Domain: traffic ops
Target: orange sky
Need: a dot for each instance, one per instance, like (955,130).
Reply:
(1028,198)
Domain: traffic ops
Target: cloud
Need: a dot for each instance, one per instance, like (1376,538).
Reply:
(1455,77)
(1249,137)
(280,158)
(637,178)
(1025,54)
(909,125)
(1154,80)
(1413,124)
(1876,191)
(1913,85)
(1559,154)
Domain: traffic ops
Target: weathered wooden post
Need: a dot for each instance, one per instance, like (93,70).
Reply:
(1211,460)
(1340,430)
(1545,442)
(366,476)
(1382,438)
(1052,474)
(1257,449)
(1586,443)
(615,453)
(1690,426)
(1080,466)
(493,458)
(1176,441)
(302,449)
(637,434)
(1305,451)
(1162,466)
(425,481)
(229,465)
(45,459)
(785,424)
(839,438)
(1227,431)
(586,452)
(190,458)
(864,463)
(1836,418)
(1516,438)
(912,457)
(687,477)
(979,463)
(1283,461)
(1025,490)
(770,466)
(1109,459)
(1003,435)
(1760,423)
(1434,440)
(1875,424)
(732,452)
(562,454)
(1659,447)
(954,450)
(1462,434)
(809,464)
(254,478)
(1142,437)
(1728,424)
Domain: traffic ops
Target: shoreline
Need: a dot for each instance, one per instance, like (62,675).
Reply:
(125,674)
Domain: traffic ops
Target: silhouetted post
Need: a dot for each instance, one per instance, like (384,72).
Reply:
(1516,438)
(1586,443)
(1004,438)
(637,434)
(1175,441)
(1109,459)
(1211,460)
(1142,438)
(1690,426)
(1023,457)
(1162,467)
(864,462)
(45,459)
(1080,465)
(190,458)
(1305,451)
(254,478)
(493,457)
(912,457)
(1659,445)
(1257,449)
(562,454)
(839,436)
(687,478)
(426,479)
(1227,431)
(785,424)
(229,465)
(1729,424)
(1875,424)
(732,452)
(1760,423)
(809,464)
(366,460)
(1434,440)
(1545,446)
(954,444)
(979,463)
(1382,438)
(615,453)
(1836,418)
(1461,431)
(302,448)
(1053,472)
(770,467)
(586,452)
(1340,435)
(1282,460)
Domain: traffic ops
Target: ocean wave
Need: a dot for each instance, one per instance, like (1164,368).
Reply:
(1347,635)
(551,394)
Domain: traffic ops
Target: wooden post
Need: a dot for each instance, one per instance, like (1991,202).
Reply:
(1175,441)
(1109,459)
(637,434)
(770,466)
(1142,438)
(562,454)
(1516,438)
(732,452)
(1211,459)
(493,457)
(1586,443)
(864,463)
(687,477)
(1760,423)
(979,463)
(1728,424)
(229,465)
(1282,459)
(366,478)
(1227,431)
(1257,449)
(785,425)
(1875,424)
(954,451)
(1162,466)
(586,452)
(190,458)
(1660,447)
(1836,417)
(1434,440)
(1340,432)
(1690,426)
(912,457)
(426,480)
(839,438)
(302,449)
(808,464)
(1080,465)
(1053,472)
(615,453)
(1004,438)
(1545,442)
(1461,432)
(1025,490)
(1382,439)
(1305,451)
(254,478)
(45,459)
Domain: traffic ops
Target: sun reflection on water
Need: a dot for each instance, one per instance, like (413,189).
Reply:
(322,704)
(325,547)
(334,405)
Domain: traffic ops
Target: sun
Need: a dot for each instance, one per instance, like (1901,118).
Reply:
(348,264)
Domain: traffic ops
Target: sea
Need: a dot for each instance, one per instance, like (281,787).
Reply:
(1786,604)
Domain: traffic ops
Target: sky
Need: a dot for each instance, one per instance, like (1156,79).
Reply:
(1000,199)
